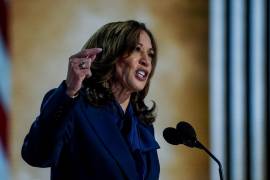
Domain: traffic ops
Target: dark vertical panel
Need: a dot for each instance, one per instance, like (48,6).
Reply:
(228,89)
(267,87)
(4,28)
(248,88)
(3,113)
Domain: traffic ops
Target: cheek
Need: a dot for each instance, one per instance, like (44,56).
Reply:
(126,66)
(122,71)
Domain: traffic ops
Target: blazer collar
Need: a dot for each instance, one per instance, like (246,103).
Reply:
(112,139)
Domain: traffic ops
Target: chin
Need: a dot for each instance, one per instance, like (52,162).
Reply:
(139,87)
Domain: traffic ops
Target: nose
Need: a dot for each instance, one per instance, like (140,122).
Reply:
(145,59)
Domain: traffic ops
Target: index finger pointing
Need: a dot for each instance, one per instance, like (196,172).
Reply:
(87,53)
(92,51)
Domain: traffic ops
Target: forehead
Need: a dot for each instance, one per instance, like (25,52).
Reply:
(145,40)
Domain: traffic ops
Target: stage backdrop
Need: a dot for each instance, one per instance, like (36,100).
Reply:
(45,33)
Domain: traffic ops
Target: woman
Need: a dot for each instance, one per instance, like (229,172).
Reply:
(95,125)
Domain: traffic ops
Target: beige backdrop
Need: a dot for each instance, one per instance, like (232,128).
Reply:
(45,33)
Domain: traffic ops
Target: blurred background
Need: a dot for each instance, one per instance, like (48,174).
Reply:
(213,72)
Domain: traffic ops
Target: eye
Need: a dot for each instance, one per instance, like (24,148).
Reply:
(138,48)
(151,54)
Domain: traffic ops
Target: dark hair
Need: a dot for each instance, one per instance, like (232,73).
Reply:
(116,39)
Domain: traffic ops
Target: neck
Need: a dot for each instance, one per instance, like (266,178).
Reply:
(121,95)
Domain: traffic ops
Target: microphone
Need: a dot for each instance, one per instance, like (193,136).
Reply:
(185,134)
(172,136)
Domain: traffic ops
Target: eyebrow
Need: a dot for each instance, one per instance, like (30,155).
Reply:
(151,49)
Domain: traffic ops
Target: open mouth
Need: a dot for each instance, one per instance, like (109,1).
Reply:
(141,74)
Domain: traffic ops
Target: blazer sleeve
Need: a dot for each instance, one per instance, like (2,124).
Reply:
(51,129)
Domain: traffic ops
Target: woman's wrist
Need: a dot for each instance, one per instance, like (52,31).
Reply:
(70,92)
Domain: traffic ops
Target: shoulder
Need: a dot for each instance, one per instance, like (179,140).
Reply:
(57,96)
(48,94)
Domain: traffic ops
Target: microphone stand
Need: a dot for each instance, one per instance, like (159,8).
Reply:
(201,146)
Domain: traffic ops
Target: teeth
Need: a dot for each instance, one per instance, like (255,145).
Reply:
(141,73)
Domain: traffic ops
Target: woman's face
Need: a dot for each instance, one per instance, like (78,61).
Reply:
(132,72)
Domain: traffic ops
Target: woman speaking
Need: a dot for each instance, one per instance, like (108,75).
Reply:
(96,125)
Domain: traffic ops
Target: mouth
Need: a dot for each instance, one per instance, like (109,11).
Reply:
(141,74)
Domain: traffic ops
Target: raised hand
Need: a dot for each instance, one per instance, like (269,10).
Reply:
(79,69)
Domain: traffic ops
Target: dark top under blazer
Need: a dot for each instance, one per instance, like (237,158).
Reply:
(79,142)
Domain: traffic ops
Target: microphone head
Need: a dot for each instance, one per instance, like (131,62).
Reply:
(187,133)
(171,135)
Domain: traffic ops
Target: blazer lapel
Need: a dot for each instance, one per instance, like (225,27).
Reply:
(112,140)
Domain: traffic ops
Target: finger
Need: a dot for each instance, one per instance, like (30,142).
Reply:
(84,65)
(85,73)
(92,51)
(92,57)
(87,53)
(88,74)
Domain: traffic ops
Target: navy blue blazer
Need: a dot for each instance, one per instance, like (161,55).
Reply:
(79,142)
